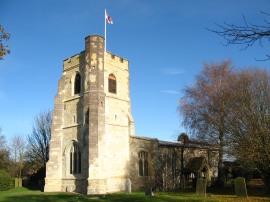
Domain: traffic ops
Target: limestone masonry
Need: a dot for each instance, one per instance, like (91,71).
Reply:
(93,147)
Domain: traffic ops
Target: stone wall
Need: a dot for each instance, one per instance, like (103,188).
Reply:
(138,144)
(165,163)
(119,123)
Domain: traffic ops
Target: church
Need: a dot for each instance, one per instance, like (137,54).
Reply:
(93,146)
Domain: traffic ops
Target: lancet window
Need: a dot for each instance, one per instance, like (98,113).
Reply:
(143,163)
(77,84)
(75,159)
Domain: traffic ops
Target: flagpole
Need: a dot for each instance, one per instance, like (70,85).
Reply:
(105,32)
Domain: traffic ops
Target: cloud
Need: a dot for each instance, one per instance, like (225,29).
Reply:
(174,92)
(172,71)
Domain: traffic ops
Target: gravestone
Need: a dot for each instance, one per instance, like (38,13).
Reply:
(69,189)
(128,186)
(240,187)
(18,182)
(149,191)
(201,187)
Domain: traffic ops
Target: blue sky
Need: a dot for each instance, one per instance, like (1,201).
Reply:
(165,41)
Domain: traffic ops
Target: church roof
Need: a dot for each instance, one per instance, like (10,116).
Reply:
(169,143)
(190,144)
(196,164)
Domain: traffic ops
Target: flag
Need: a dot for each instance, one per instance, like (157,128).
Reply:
(108,18)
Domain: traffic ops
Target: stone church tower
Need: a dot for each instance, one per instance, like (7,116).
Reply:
(92,123)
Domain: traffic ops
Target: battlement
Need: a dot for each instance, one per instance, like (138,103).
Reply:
(71,61)
(112,60)
(71,58)
(112,56)
(109,58)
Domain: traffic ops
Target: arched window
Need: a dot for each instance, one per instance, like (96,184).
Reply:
(75,159)
(112,83)
(77,84)
(143,163)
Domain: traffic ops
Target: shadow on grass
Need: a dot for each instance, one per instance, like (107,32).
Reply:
(35,187)
(256,192)
(40,198)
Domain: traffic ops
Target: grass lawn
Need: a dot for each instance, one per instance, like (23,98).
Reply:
(224,194)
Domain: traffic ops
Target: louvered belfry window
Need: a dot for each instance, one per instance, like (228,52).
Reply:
(112,83)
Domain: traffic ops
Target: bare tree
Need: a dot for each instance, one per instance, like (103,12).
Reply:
(4,153)
(2,140)
(246,34)
(17,150)
(204,107)
(234,113)
(3,48)
(40,138)
(250,121)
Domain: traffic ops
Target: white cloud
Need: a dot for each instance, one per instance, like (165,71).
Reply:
(174,92)
(172,71)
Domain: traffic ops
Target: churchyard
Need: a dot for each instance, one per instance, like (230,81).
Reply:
(213,194)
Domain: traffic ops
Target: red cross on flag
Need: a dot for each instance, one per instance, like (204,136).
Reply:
(108,18)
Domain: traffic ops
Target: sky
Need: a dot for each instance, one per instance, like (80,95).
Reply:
(165,41)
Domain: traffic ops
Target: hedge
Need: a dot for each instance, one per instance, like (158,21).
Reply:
(5,180)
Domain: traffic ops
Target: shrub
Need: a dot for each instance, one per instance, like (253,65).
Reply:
(5,180)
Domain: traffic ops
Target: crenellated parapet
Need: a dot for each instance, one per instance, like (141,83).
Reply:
(71,62)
